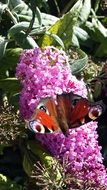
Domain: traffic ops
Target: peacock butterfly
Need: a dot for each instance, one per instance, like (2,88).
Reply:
(67,111)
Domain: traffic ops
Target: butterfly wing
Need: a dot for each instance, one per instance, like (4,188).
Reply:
(44,118)
(69,112)
(80,110)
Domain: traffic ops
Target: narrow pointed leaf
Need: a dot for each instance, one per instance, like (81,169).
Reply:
(39,16)
(78,65)
(85,11)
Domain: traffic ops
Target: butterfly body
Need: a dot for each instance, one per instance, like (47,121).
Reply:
(68,111)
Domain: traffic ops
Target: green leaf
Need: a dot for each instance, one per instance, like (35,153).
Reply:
(25,14)
(85,11)
(37,148)
(96,30)
(35,10)
(47,19)
(10,85)
(40,152)
(17,28)
(22,8)
(63,28)
(56,38)
(37,31)
(45,158)
(9,61)
(76,9)
(3,44)
(39,16)
(12,4)
(88,26)
(96,5)
(27,164)
(101,51)
(25,42)
(2,9)
(75,41)
(78,65)
(100,30)
(82,36)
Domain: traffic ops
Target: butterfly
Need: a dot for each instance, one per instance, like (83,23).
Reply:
(67,111)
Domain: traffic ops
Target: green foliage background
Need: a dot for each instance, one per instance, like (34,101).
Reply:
(73,26)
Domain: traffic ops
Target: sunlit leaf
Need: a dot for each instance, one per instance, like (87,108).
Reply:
(47,19)
(85,11)
(39,16)
(82,36)
(75,41)
(78,65)
(25,14)
(100,30)
(37,31)
(56,38)
(76,9)
(63,28)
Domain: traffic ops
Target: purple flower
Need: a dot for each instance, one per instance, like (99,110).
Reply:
(81,152)
(45,73)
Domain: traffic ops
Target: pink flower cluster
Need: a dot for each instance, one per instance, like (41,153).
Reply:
(81,152)
(45,73)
